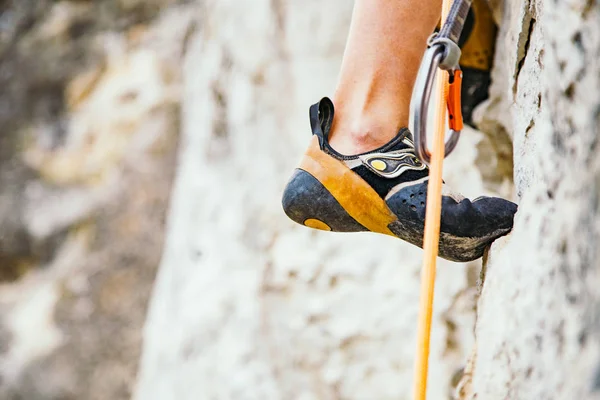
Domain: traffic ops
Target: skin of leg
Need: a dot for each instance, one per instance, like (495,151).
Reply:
(383,52)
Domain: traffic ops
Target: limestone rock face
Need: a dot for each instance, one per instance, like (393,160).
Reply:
(248,305)
(537,332)
(89,121)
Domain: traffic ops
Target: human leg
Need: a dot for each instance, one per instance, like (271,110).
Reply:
(385,45)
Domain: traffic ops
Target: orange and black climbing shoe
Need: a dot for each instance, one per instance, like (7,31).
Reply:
(385,191)
(477,43)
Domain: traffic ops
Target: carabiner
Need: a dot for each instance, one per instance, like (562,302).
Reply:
(440,54)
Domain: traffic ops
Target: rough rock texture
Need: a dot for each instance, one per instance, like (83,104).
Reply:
(537,332)
(248,305)
(89,120)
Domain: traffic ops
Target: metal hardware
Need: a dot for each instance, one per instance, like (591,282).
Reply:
(444,54)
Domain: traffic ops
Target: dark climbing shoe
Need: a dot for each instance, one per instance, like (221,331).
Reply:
(477,43)
(385,191)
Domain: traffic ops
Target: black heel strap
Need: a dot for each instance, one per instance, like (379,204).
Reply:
(321,118)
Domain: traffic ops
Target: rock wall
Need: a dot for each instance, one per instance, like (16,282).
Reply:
(537,331)
(248,305)
(89,122)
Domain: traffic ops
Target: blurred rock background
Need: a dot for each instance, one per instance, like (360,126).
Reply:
(89,125)
(128,124)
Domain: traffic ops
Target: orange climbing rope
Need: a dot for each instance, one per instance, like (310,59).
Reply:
(432,232)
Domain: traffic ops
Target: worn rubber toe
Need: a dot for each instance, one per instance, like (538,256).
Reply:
(467,227)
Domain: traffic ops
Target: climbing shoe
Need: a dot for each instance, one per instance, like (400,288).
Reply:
(477,43)
(385,191)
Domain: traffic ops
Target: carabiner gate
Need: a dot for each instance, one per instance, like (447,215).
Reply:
(443,54)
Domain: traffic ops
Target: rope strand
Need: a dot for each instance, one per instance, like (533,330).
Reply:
(432,232)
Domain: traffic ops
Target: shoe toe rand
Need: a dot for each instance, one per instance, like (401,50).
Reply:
(466,227)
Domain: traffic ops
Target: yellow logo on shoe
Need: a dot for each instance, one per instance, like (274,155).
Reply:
(316,224)
(379,165)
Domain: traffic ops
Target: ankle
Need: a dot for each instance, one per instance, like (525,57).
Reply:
(362,131)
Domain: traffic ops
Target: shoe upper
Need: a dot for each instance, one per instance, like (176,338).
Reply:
(383,168)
